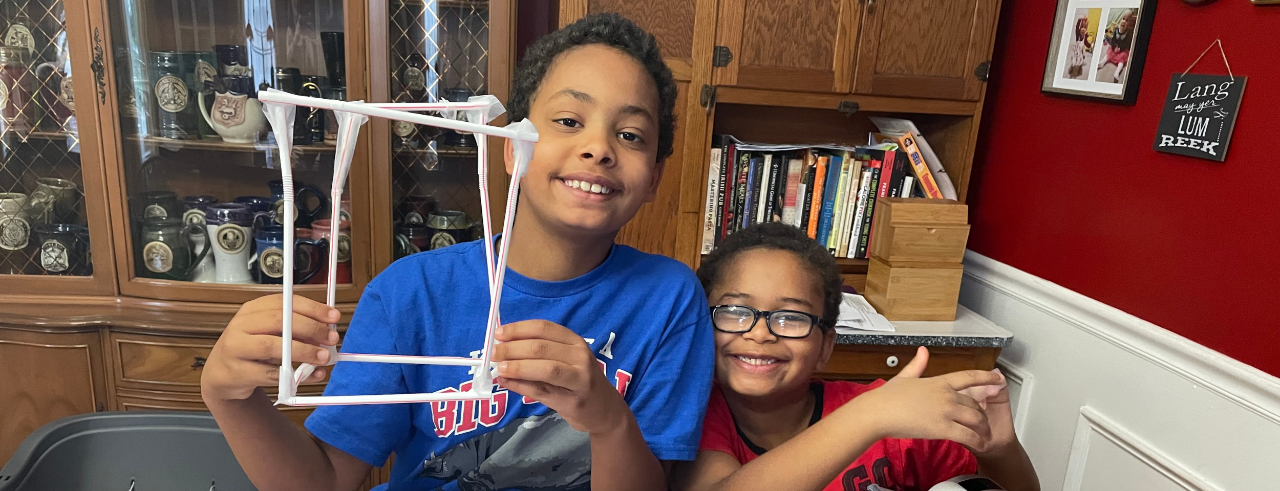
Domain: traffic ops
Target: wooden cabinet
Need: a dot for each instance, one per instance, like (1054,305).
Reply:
(870,362)
(806,72)
(806,46)
(935,49)
(46,376)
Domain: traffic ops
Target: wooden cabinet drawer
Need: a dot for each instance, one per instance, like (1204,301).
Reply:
(869,362)
(151,362)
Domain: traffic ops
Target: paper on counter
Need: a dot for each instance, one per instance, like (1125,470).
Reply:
(856,315)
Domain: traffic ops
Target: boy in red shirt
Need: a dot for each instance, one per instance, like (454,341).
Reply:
(775,295)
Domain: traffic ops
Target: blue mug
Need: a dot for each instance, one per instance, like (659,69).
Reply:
(303,216)
(267,265)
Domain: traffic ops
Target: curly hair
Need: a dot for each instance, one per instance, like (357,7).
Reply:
(610,30)
(777,236)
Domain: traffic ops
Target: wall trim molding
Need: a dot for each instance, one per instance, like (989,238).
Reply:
(1092,422)
(1237,382)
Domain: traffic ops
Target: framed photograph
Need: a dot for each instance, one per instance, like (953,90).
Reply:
(1097,49)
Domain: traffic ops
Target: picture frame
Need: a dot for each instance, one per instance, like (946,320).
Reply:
(1097,49)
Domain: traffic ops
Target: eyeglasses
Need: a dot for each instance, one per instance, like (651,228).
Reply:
(738,319)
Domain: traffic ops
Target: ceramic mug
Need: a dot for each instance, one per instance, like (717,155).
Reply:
(414,210)
(166,252)
(195,207)
(303,216)
(204,271)
(411,239)
(233,59)
(320,230)
(15,231)
(53,201)
(268,264)
(236,115)
(56,91)
(158,204)
(228,226)
(448,227)
(62,249)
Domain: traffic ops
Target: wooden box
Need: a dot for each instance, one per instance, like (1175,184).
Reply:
(919,230)
(914,291)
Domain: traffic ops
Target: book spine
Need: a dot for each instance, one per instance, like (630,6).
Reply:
(774,196)
(762,197)
(908,144)
(882,192)
(850,205)
(740,190)
(855,235)
(753,186)
(789,195)
(807,182)
(815,209)
(837,216)
(876,171)
(908,183)
(728,166)
(709,214)
(899,173)
(828,200)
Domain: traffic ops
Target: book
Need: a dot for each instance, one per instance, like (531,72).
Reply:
(899,173)
(763,200)
(877,170)
(860,211)
(819,183)
(899,127)
(837,215)
(850,205)
(810,168)
(919,167)
(777,186)
(710,218)
(728,183)
(829,189)
(740,190)
(753,179)
(793,189)
(908,185)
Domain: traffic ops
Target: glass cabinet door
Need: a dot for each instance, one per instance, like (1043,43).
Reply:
(44,223)
(201,170)
(438,51)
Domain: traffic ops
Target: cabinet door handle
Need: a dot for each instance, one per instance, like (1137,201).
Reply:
(199,362)
(99,66)
(891,361)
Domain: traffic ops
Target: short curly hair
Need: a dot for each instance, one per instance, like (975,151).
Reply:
(610,30)
(777,236)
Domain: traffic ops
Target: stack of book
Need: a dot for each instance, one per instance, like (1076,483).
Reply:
(830,191)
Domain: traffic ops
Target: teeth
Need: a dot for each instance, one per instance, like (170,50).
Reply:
(757,361)
(588,187)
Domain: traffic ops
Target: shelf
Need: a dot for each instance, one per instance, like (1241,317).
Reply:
(845,264)
(443,151)
(221,146)
(880,104)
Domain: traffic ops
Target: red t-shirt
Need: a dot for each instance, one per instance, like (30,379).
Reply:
(892,463)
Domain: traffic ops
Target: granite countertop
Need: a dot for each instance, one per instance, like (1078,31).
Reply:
(969,330)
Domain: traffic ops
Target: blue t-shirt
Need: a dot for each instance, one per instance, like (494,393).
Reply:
(644,316)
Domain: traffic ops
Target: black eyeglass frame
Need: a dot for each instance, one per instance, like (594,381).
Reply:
(814,321)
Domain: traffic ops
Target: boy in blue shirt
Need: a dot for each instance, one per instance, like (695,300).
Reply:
(604,365)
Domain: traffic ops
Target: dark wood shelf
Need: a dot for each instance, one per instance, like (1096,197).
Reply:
(443,151)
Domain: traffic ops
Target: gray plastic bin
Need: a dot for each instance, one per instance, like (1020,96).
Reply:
(145,451)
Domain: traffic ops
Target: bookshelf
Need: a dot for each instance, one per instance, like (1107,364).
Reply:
(792,75)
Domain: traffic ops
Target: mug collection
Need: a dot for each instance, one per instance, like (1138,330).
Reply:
(213,94)
(203,239)
(41,232)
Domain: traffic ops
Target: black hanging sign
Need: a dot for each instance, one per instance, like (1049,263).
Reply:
(1200,114)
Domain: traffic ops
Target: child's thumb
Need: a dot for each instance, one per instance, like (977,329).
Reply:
(915,369)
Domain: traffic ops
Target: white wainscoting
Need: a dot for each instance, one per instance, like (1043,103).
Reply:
(1104,400)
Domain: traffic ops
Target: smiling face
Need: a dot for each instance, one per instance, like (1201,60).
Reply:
(757,363)
(595,162)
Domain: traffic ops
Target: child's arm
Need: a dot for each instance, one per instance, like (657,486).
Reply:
(552,364)
(275,453)
(905,407)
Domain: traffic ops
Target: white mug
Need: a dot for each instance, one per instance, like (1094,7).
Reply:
(206,271)
(236,117)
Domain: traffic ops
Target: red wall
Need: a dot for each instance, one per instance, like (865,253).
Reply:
(1071,191)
